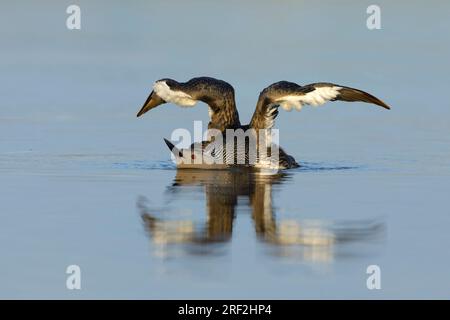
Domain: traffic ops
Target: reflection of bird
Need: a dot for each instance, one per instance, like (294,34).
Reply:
(219,96)
(223,189)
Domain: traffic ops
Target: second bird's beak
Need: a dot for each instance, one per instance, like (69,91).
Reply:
(173,149)
(153,101)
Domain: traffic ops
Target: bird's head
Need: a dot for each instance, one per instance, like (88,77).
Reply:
(193,157)
(183,156)
(168,91)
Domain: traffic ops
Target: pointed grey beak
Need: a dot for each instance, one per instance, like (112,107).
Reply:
(152,101)
(173,149)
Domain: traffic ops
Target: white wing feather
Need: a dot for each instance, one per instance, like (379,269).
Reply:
(317,97)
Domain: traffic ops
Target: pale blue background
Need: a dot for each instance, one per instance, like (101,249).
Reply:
(74,159)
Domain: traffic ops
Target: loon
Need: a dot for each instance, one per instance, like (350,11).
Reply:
(220,98)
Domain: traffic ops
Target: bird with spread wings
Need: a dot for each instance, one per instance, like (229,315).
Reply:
(219,96)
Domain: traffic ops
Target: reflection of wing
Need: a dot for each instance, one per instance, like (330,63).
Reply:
(290,95)
(262,210)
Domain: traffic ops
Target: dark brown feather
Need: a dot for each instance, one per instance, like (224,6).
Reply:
(351,94)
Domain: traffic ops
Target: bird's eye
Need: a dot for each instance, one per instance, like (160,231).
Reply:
(193,156)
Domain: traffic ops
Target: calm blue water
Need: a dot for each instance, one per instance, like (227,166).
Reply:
(82,181)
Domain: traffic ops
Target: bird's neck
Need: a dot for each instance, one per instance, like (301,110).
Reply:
(226,117)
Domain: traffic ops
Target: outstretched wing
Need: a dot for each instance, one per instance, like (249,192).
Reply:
(290,95)
(217,94)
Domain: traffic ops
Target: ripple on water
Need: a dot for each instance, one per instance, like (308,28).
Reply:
(320,166)
(169,165)
(146,165)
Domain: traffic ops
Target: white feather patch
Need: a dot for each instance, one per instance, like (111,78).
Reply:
(290,102)
(210,112)
(178,97)
(315,98)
